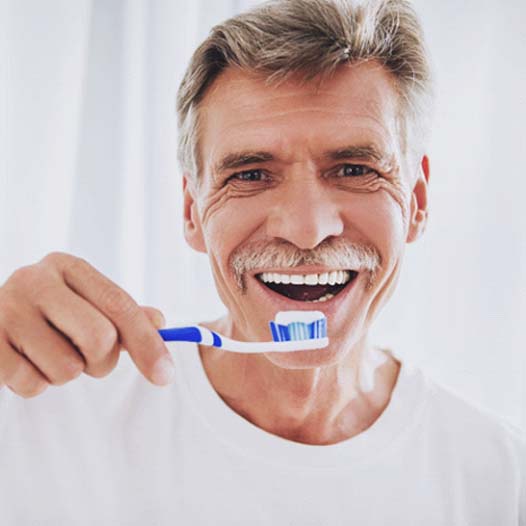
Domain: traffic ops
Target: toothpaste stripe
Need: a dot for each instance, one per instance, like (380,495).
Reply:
(299,330)
(274,331)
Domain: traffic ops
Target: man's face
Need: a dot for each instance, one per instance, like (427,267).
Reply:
(304,179)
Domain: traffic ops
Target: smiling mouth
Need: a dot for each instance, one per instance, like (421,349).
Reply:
(308,287)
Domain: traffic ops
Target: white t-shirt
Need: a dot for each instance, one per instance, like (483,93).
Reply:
(121,451)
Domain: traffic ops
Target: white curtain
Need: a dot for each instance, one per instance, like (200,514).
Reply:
(88,166)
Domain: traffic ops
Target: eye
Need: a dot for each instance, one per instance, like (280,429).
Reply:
(249,175)
(354,170)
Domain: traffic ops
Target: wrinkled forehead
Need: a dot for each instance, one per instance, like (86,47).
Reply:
(357,103)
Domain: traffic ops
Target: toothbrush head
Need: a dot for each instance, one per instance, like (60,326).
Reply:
(298,325)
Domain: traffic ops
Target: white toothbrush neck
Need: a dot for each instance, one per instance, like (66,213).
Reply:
(258,347)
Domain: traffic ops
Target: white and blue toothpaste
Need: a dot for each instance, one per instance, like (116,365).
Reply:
(291,331)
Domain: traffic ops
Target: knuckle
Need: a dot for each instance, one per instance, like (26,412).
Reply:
(99,343)
(68,264)
(29,282)
(23,277)
(55,258)
(71,369)
(26,382)
(73,263)
(99,372)
(102,369)
(8,313)
(32,390)
(117,302)
(14,322)
(104,340)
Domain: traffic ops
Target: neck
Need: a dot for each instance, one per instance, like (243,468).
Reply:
(320,405)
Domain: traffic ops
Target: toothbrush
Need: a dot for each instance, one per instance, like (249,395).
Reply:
(291,331)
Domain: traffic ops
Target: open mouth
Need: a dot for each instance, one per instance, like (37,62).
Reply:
(308,287)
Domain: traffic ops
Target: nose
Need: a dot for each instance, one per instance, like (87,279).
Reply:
(305,214)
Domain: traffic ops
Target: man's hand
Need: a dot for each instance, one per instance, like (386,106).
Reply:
(61,317)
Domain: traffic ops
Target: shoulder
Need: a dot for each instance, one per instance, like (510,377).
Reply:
(457,406)
(472,427)
(483,452)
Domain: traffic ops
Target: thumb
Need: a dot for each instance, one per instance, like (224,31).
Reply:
(155,316)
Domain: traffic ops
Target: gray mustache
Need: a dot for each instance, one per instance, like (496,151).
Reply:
(334,253)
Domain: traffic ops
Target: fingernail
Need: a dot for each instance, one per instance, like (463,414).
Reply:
(160,321)
(163,371)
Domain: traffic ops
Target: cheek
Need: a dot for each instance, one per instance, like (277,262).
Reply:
(379,219)
(229,222)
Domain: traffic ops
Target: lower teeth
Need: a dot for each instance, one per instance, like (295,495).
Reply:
(325,297)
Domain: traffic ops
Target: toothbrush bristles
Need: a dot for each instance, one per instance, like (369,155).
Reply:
(298,325)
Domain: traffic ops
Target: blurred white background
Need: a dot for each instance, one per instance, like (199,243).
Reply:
(88,166)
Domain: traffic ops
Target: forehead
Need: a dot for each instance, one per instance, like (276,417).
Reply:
(357,105)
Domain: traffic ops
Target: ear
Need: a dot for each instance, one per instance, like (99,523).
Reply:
(418,207)
(193,231)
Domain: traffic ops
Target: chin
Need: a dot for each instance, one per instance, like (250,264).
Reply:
(336,351)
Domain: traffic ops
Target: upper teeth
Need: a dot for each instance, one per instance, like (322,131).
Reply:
(336,277)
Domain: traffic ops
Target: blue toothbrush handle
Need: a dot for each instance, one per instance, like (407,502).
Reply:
(191,334)
(181,334)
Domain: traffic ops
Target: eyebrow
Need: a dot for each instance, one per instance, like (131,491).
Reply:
(240,159)
(368,153)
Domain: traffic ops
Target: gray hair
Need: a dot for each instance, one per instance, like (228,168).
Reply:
(312,38)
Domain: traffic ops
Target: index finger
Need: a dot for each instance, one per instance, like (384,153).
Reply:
(136,332)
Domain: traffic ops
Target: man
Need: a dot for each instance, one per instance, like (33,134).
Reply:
(303,127)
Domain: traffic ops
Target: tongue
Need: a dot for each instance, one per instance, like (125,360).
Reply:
(304,292)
